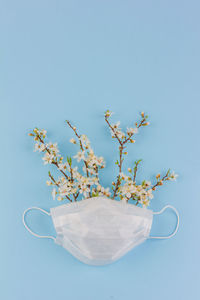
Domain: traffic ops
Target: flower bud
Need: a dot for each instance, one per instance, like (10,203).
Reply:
(142,114)
(73,141)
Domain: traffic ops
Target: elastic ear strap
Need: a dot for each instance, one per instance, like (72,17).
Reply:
(33,233)
(177,224)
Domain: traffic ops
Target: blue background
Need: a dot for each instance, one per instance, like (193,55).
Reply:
(74,59)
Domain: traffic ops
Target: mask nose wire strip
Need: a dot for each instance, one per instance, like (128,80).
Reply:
(177,223)
(26,226)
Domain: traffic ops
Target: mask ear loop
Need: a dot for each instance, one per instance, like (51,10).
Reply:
(33,233)
(177,224)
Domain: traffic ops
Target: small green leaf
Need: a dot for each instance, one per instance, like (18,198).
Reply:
(168,172)
(69,160)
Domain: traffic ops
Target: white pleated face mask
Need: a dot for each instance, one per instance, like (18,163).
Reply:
(98,231)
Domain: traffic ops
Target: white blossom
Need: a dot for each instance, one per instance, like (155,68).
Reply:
(73,141)
(65,188)
(173,176)
(53,148)
(80,156)
(123,176)
(149,194)
(145,202)
(84,139)
(146,183)
(104,192)
(43,132)
(84,190)
(115,126)
(131,131)
(39,147)
(48,158)
(63,167)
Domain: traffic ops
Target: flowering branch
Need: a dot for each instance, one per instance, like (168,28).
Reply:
(72,183)
(80,143)
(140,193)
(92,163)
(168,176)
(44,147)
(51,157)
(123,139)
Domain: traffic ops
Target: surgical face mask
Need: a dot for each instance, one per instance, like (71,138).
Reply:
(98,230)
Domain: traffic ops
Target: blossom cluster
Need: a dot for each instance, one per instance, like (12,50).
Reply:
(125,186)
(73,184)
(127,136)
(139,193)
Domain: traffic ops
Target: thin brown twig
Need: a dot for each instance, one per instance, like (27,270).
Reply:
(106,119)
(164,178)
(137,126)
(121,148)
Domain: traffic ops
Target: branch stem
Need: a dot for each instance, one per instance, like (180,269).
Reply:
(82,149)
(121,149)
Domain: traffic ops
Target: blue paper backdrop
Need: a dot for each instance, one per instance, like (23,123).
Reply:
(74,59)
